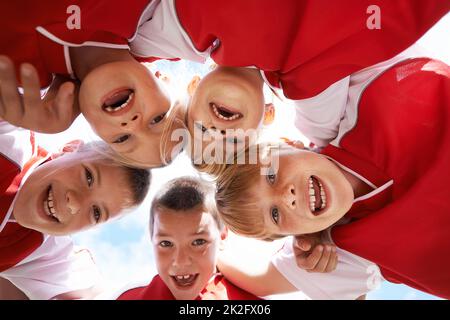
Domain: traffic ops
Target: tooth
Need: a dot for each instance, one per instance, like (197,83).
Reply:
(50,203)
(311,192)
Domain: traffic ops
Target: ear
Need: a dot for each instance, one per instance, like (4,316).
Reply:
(294,143)
(269,114)
(193,84)
(69,147)
(223,238)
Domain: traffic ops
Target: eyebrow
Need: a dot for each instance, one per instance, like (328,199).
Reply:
(99,183)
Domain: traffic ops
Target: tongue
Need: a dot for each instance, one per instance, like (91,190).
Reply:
(118,98)
(185,282)
(318,203)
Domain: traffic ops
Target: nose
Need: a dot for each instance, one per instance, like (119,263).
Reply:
(73,202)
(289,197)
(132,122)
(214,129)
(181,258)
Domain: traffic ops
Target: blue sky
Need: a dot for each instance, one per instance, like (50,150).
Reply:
(122,248)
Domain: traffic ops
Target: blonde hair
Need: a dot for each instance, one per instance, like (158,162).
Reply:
(238,207)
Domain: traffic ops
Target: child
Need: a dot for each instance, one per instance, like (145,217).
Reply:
(91,42)
(187,252)
(186,236)
(385,173)
(88,41)
(43,196)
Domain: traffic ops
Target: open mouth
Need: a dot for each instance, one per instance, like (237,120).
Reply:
(317,196)
(118,100)
(185,280)
(49,205)
(225,113)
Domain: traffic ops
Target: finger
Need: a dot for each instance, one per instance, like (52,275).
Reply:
(31,87)
(63,107)
(310,262)
(333,261)
(10,97)
(303,243)
(322,264)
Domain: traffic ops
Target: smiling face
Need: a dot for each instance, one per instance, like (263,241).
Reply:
(307,194)
(186,245)
(67,195)
(126,107)
(227,98)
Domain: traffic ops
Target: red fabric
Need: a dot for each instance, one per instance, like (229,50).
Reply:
(218,289)
(106,21)
(305,46)
(16,242)
(403,134)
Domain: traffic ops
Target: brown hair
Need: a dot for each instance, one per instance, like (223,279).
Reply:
(183,194)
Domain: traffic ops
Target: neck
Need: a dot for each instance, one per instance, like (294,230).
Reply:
(359,187)
(85,59)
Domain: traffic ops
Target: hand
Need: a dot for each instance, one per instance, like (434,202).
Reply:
(54,113)
(313,255)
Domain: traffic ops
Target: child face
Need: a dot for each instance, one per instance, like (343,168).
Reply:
(126,107)
(186,245)
(307,194)
(227,98)
(67,195)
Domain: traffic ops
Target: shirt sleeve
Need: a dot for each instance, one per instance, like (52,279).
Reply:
(56,267)
(352,278)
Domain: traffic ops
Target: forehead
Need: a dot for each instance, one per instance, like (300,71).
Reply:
(182,223)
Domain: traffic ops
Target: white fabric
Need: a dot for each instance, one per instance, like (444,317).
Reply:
(162,36)
(352,278)
(321,118)
(56,267)
(15,143)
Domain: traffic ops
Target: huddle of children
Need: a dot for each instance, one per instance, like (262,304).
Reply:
(378,189)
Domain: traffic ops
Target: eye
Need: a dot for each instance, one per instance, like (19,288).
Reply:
(158,119)
(165,244)
(199,242)
(121,139)
(271,176)
(96,212)
(89,177)
(275,215)
(201,127)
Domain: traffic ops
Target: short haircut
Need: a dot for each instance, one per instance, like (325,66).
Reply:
(183,194)
(237,206)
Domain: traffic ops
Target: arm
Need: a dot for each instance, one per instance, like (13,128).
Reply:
(8,291)
(262,282)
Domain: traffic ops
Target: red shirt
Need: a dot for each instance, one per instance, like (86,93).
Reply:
(37,31)
(399,141)
(16,242)
(217,289)
(305,46)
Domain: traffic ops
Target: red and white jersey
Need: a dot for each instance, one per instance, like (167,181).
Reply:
(301,47)
(41,266)
(42,32)
(218,288)
(395,137)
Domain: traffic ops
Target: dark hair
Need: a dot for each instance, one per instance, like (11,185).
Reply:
(139,182)
(183,194)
